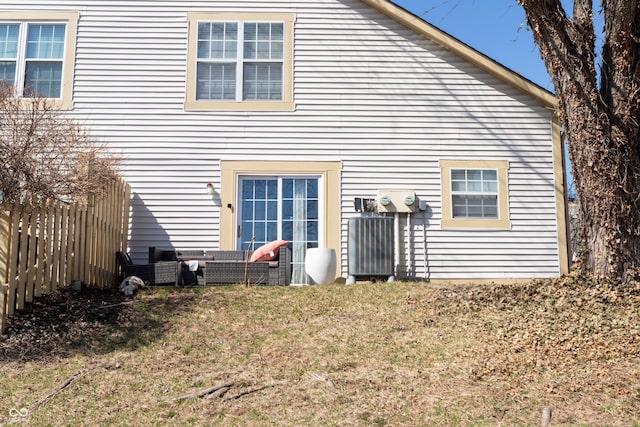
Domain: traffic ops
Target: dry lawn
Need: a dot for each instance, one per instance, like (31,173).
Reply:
(371,354)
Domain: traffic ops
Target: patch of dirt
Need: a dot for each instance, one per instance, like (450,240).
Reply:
(62,322)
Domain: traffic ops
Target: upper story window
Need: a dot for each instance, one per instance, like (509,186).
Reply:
(37,54)
(240,62)
(474,194)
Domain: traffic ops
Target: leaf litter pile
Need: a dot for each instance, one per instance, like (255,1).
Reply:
(368,354)
(574,341)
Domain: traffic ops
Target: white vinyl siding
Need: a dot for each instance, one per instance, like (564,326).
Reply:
(385,102)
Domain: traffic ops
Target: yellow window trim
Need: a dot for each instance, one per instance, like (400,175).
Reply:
(329,170)
(502,222)
(65,102)
(191,104)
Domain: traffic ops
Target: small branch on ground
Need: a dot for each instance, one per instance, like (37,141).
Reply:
(116,305)
(217,393)
(22,416)
(66,383)
(217,390)
(252,390)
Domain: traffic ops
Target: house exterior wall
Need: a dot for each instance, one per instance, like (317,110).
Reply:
(369,93)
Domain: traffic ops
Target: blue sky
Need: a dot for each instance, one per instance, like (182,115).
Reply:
(495,28)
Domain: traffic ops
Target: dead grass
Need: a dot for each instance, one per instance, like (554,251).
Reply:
(401,354)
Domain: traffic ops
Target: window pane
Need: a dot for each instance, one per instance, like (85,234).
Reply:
(491,208)
(247,231)
(287,230)
(287,188)
(9,41)
(7,72)
(272,189)
(250,50)
(260,189)
(459,174)
(272,210)
(474,175)
(312,188)
(312,209)
(490,175)
(277,49)
(260,231)
(262,81)
(299,189)
(277,31)
(260,210)
(263,50)
(475,206)
(216,81)
(312,233)
(264,31)
(474,181)
(287,209)
(250,40)
(247,189)
(247,209)
(459,206)
(251,31)
(459,186)
(43,78)
(490,181)
(204,40)
(474,186)
(217,40)
(272,231)
(45,41)
(458,180)
(490,187)
(263,40)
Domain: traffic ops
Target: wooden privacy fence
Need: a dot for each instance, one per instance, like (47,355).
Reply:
(51,245)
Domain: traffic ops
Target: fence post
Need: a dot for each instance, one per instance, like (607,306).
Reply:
(4,306)
(5,238)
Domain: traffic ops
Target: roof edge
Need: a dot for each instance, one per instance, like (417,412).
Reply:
(452,44)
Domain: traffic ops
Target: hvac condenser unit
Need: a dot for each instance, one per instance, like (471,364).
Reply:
(370,247)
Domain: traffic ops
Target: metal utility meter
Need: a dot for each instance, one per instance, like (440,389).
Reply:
(397,201)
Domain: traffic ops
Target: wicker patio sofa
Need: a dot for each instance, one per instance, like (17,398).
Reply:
(156,273)
(228,267)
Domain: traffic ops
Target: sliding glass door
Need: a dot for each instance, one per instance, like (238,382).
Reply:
(281,207)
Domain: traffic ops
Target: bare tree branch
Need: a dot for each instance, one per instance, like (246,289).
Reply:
(46,155)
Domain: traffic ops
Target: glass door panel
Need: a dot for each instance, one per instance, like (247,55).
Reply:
(281,208)
(259,212)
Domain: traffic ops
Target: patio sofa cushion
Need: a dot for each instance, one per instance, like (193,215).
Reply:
(268,252)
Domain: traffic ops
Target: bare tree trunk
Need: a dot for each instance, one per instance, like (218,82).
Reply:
(601,121)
